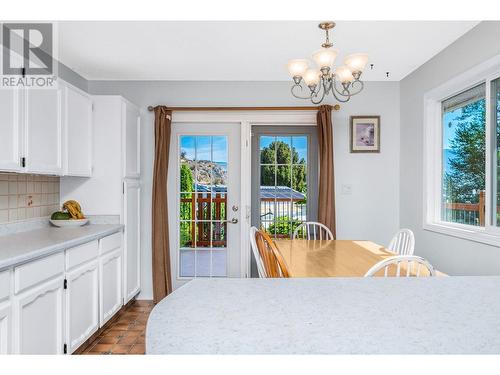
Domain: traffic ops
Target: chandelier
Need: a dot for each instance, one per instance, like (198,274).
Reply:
(314,84)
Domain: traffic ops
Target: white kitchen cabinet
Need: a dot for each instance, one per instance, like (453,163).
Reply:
(132,245)
(82,304)
(77,145)
(110,285)
(10,130)
(38,317)
(131,133)
(116,164)
(131,140)
(43,131)
(5,327)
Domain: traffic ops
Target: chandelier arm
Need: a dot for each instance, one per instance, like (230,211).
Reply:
(317,101)
(361,86)
(341,98)
(345,92)
(292,90)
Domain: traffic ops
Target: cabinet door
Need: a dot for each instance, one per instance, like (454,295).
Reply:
(5,327)
(110,285)
(132,248)
(43,131)
(131,141)
(38,319)
(82,304)
(78,133)
(10,130)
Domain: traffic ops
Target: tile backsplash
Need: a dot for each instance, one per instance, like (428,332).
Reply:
(24,196)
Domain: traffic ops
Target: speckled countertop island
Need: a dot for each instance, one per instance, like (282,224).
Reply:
(26,246)
(440,315)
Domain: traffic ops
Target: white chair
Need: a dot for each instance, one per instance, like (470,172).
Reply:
(311,230)
(408,262)
(403,242)
(256,254)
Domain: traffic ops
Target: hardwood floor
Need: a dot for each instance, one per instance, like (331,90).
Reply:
(126,335)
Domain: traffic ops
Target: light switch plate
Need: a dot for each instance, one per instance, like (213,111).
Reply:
(346,189)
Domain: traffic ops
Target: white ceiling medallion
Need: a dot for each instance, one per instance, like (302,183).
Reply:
(316,83)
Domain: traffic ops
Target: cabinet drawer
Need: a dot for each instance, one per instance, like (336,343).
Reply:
(81,254)
(35,272)
(4,284)
(111,243)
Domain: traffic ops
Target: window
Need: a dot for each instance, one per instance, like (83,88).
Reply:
(462,155)
(283,184)
(463,158)
(284,194)
(202,202)
(495,121)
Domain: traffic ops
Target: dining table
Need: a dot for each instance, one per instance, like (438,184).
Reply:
(337,258)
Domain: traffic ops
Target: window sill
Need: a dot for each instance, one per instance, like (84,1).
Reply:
(466,232)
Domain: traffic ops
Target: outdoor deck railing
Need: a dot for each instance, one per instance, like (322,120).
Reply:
(466,213)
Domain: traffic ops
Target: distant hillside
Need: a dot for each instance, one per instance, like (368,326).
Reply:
(204,169)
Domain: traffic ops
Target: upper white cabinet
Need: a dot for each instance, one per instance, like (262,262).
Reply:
(10,130)
(46,131)
(43,129)
(131,140)
(77,145)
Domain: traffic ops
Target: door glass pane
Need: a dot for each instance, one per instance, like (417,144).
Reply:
(203,197)
(495,121)
(283,183)
(463,170)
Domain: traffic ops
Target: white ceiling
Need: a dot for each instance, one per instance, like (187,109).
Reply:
(243,51)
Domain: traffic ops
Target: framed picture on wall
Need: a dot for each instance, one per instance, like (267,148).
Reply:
(365,134)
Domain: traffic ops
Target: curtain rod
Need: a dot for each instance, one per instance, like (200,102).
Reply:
(336,107)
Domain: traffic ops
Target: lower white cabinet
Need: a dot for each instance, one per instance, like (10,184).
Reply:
(54,304)
(5,327)
(110,285)
(39,319)
(82,304)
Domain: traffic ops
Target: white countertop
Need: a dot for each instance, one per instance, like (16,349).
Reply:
(433,315)
(22,247)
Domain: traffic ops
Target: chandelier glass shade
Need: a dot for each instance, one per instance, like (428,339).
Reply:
(315,83)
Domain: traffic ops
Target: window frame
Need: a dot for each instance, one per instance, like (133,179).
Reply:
(485,72)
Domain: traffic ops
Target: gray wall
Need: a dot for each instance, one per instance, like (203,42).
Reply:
(370,212)
(452,255)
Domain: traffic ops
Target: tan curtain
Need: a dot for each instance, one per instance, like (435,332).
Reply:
(162,280)
(326,198)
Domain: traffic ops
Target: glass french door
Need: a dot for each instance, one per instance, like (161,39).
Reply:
(284,186)
(207,200)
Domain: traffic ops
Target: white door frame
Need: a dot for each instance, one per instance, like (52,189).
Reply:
(246,119)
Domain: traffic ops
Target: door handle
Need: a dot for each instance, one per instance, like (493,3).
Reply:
(232,221)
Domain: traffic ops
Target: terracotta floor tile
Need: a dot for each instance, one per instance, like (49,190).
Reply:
(118,349)
(107,340)
(115,333)
(128,340)
(138,349)
(125,334)
(141,339)
(133,333)
(101,348)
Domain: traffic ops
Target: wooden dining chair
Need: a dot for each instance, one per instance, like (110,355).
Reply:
(403,242)
(273,262)
(402,266)
(312,230)
(256,253)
